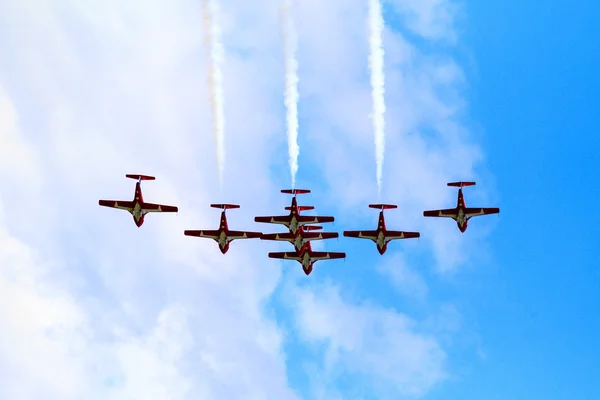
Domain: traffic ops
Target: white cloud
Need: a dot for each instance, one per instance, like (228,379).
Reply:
(39,329)
(382,345)
(403,277)
(106,113)
(91,93)
(432,19)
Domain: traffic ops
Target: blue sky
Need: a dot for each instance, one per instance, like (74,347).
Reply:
(532,85)
(95,308)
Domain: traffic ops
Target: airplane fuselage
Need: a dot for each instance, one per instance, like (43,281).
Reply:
(223,242)
(461,219)
(294,224)
(299,242)
(307,263)
(138,209)
(223,238)
(381,241)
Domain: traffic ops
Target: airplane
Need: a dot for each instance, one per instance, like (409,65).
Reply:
(302,237)
(382,236)
(293,221)
(461,214)
(307,258)
(138,208)
(223,236)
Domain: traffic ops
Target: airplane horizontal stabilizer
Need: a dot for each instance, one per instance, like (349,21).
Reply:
(383,206)
(461,184)
(301,208)
(295,191)
(312,227)
(225,206)
(140,177)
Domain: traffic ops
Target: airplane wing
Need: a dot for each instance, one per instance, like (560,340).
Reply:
(326,255)
(392,235)
(286,219)
(121,205)
(278,236)
(280,219)
(204,234)
(475,212)
(150,207)
(372,235)
(306,219)
(286,255)
(448,213)
(233,235)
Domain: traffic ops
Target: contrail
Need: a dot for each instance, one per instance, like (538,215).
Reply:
(291,86)
(215,79)
(376,26)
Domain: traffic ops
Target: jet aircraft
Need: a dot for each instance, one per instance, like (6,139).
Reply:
(293,221)
(223,236)
(381,236)
(307,258)
(461,214)
(138,208)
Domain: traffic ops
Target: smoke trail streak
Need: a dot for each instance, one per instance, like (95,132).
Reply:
(215,79)
(291,86)
(376,26)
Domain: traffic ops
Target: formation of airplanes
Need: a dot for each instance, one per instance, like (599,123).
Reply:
(301,229)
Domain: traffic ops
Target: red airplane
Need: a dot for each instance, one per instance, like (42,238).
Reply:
(302,237)
(294,220)
(382,236)
(138,207)
(223,236)
(307,258)
(461,214)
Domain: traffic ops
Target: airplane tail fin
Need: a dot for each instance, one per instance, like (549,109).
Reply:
(383,206)
(225,206)
(140,177)
(461,184)
(301,208)
(312,228)
(295,191)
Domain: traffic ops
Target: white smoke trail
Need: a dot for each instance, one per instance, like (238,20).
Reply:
(376,26)
(291,86)
(215,79)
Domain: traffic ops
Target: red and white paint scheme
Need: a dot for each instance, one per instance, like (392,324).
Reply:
(381,236)
(294,221)
(307,258)
(138,208)
(223,236)
(301,238)
(461,214)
